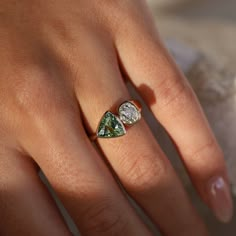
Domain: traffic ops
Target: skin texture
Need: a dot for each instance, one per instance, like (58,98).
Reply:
(63,64)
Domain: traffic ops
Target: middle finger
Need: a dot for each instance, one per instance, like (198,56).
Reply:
(52,134)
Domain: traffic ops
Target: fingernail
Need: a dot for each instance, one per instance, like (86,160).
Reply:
(220,199)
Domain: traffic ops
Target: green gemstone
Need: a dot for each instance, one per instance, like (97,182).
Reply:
(110,126)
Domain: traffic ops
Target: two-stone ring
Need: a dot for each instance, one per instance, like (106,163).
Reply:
(112,125)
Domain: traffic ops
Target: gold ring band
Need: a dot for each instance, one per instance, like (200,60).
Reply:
(113,126)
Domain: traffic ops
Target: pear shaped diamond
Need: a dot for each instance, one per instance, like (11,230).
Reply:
(110,126)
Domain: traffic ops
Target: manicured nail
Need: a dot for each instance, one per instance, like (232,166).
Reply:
(220,199)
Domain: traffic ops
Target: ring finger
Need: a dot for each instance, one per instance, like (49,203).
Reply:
(136,157)
(25,204)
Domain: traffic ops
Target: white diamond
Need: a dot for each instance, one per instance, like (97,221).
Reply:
(129,113)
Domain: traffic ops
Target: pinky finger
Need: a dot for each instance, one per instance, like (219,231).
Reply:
(26,207)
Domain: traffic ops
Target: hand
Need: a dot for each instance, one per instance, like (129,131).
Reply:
(63,64)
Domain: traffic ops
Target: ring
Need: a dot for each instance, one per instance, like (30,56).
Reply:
(113,126)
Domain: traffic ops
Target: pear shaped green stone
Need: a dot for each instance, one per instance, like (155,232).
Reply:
(110,126)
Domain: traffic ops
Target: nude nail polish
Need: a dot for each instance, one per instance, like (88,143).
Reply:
(220,199)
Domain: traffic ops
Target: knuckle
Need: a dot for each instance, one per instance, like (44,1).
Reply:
(174,95)
(29,89)
(200,154)
(112,5)
(143,172)
(104,219)
(113,12)
(200,160)
(36,94)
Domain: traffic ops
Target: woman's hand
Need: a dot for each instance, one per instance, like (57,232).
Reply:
(62,66)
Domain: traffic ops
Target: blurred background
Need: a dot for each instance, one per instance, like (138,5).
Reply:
(201,35)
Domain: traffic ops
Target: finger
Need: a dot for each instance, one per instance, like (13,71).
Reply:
(74,169)
(174,104)
(26,207)
(137,159)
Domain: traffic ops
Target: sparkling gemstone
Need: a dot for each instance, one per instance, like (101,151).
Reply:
(129,113)
(110,126)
